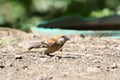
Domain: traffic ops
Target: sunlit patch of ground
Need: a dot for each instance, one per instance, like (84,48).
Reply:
(88,58)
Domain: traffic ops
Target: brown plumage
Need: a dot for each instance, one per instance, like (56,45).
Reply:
(51,45)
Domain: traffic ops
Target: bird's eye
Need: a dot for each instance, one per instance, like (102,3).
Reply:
(66,37)
(61,41)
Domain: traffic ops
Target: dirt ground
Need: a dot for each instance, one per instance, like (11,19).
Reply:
(81,58)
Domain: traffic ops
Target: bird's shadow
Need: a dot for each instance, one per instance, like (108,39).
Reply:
(65,57)
(68,56)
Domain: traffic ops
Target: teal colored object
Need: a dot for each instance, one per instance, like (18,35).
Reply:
(79,23)
(104,33)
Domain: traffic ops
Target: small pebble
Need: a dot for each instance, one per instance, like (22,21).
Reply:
(43,59)
(11,65)
(2,66)
(24,67)
(113,66)
(18,57)
(92,69)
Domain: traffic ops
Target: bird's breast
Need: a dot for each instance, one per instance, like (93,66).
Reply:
(53,49)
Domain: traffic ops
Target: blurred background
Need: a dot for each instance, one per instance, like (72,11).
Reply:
(24,14)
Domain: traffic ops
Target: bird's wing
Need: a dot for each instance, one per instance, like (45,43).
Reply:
(45,45)
(39,45)
(50,42)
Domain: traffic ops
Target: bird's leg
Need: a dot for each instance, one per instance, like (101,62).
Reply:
(42,53)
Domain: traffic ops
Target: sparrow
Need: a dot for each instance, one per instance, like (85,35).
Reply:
(51,45)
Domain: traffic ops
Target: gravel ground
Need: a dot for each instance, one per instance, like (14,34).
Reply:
(81,58)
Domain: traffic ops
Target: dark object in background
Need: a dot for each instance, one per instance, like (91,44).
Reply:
(78,23)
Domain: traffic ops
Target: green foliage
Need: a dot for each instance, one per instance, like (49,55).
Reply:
(10,12)
(23,14)
(101,13)
(26,26)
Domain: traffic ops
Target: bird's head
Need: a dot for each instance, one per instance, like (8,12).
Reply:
(61,39)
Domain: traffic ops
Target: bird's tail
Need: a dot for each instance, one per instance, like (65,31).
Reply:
(32,47)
